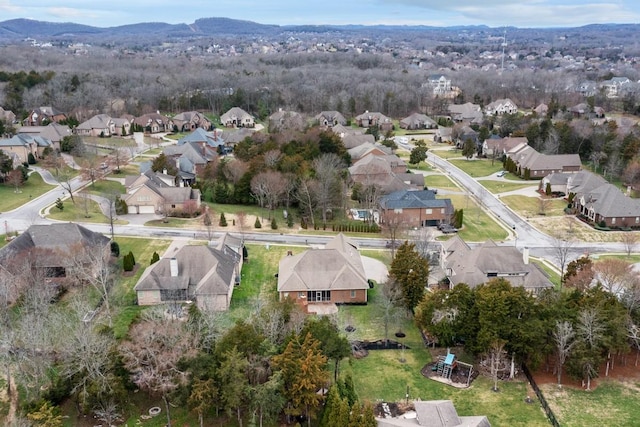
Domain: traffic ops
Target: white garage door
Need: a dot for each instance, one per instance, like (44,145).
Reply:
(146,209)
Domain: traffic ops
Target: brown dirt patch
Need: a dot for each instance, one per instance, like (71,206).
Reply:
(623,370)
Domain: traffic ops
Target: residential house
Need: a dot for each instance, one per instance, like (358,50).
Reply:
(415,208)
(607,206)
(588,88)
(468,113)
(103,125)
(443,134)
(440,84)
(368,148)
(541,110)
(536,165)
(330,119)
(156,193)
(488,261)
(7,116)
(354,140)
(232,137)
(191,120)
(614,87)
(343,131)
(465,133)
(498,147)
(43,116)
(368,119)
(418,121)
(154,123)
(56,250)
(381,171)
(286,120)
(203,138)
(583,182)
(557,182)
(24,144)
(237,118)
(321,277)
(501,106)
(191,158)
(433,413)
(204,274)
(53,132)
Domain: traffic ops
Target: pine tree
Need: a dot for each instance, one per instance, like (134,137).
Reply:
(223,220)
(274,224)
(257,224)
(155,258)
(410,272)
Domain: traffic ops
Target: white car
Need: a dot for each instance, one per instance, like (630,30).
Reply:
(501,174)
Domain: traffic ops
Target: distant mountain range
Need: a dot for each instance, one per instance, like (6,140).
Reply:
(16,29)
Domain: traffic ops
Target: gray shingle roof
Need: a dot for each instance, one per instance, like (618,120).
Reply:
(411,199)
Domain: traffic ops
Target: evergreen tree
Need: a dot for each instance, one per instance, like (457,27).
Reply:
(223,220)
(410,272)
(155,258)
(274,224)
(257,224)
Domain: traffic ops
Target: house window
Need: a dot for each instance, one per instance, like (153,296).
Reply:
(301,294)
(173,295)
(613,220)
(492,274)
(442,211)
(637,219)
(319,296)
(353,294)
(173,206)
(144,198)
(397,211)
(429,211)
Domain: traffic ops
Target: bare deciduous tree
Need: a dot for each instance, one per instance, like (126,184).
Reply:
(630,241)
(562,252)
(327,188)
(268,188)
(614,275)
(563,335)
(155,345)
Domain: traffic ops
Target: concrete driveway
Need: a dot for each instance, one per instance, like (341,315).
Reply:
(375,270)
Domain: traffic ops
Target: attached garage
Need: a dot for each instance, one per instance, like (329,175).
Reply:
(146,209)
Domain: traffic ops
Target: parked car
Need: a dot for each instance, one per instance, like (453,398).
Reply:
(392,244)
(447,228)
(501,174)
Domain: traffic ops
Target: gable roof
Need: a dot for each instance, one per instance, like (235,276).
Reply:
(608,201)
(204,269)
(25,140)
(235,113)
(414,199)
(99,121)
(54,132)
(418,119)
(473,266)
(331,117)
(336,267)
(362,150)
(200,135)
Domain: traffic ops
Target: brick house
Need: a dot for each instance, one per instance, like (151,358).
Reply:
(415,208)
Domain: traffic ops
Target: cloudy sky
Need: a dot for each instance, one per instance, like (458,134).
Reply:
(495,13)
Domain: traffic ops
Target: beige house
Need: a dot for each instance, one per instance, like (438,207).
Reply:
(324,277)
(103,125)
(191,120)
(488,261)
(330,119)
(154,123)
(501,106)
(237,117)
(21,145)
(152,192)
(368,119)
(204,274)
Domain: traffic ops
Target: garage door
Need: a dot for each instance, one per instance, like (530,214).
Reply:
(146,209)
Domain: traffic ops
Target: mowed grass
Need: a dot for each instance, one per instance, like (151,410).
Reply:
(82,211)
(477,167)
(502,187)
(610,404)
(478,226)
(530,206)
(447,153)
(125,310)
(102,187)
(34,187)
(440,182)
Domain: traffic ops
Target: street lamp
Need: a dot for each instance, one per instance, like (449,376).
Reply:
(513,227)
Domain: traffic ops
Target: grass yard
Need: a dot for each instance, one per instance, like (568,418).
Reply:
(422,166)
(105,187)
(553,274)
(478,225)
(447,153)
(178,223)
(477,167)
(125,310)
(441,182)
(77,212)
(610,404)
(530,206)
(502,187)
(130,169)
(34,187)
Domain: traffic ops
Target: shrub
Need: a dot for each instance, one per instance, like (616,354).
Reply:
(31,159)
(223,220)
(121,206)
(127,262)
(289,221)
(154,258)
(257,224)
(274,224)
(59,204)
(115,249)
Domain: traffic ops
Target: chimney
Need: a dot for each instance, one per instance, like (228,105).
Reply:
(173,263)
(525,255)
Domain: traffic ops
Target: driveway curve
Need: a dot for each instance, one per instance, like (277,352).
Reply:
(375,270)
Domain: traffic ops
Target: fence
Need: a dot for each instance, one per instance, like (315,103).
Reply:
(547,409)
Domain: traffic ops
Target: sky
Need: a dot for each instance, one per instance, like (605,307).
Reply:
(494,13)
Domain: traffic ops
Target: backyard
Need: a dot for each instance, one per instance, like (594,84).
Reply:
(477,167)
(34,187)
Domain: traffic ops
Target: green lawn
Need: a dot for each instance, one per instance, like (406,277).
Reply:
(130,169)
(441,182)
(610,404)
(477,167)
(77,212)
(478,226)
(34,187)
(423,166)
(447,154)
(125,310)
(554,276)
(503,187)
(105,187)
(530,206)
